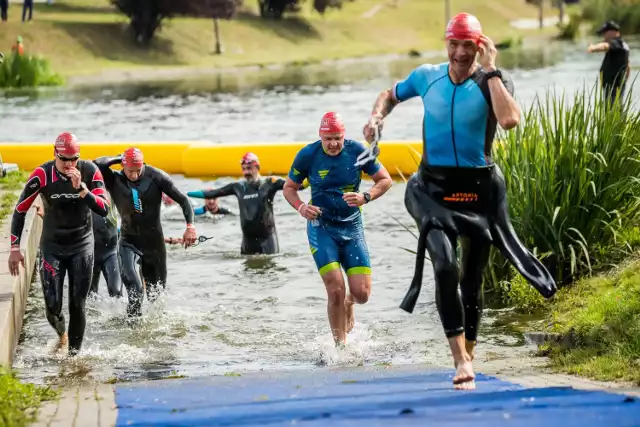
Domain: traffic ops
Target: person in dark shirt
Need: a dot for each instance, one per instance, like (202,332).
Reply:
(137,194)
(255,199)
(615,69)
(71,189)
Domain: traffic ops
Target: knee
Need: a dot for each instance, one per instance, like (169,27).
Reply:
(445,268)
(336,294)
(361,295)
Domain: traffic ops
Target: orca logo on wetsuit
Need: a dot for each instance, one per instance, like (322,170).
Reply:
(65,195)
(250,196)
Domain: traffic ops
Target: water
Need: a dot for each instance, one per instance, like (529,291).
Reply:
(224,313)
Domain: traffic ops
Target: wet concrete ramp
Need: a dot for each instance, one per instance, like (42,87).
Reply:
(375,396)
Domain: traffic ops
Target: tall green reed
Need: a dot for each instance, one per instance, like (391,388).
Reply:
(572,169)
(27,71)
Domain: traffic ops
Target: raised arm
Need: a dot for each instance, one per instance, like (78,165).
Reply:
(104,164)
(227,190)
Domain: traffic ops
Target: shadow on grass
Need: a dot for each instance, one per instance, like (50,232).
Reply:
(114,41)
(76,8)
(290,28)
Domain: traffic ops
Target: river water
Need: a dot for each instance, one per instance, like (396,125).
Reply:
(225,313)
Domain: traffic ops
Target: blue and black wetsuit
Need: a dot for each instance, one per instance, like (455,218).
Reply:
(459,191)
(336,238)
(255,201)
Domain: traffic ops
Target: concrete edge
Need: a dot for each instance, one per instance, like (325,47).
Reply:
(15,290)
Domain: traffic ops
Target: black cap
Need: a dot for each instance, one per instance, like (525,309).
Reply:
(608,26)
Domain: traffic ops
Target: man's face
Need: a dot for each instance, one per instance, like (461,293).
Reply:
(64,164)
(211,204)
(462,55)
(610,35)
(132,173)
(250,171)
(332,143)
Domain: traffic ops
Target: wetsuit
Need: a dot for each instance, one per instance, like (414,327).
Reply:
(459,191)
(66,243)
(203,210)
(141,238)
(105,232)
(255,200)
(336,238)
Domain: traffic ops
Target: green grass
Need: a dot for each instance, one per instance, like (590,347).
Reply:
(82,37)
(625,12)
(9,185)
(572,175)
(20,401)
(27,71)
(602,316)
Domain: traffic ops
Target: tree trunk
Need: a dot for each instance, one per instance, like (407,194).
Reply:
(216,33)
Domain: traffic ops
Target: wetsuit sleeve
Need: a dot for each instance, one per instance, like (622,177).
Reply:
(167,186)
(97,197)
(104,164)
(199,211)
(37,181)
(300,168)
(414,85)
(224,211)
(227,190)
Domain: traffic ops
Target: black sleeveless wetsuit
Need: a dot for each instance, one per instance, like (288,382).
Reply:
(66,243)
(141,238)
(255,200)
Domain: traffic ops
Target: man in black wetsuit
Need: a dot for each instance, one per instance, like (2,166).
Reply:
(71,189)
(105,233)
(255,199)
(615,69)
(137,193)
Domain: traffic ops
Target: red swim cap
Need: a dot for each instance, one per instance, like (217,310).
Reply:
(331,123)
(132,157)
(464,26)
(249,158)
(66,145)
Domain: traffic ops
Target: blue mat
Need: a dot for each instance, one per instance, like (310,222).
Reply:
(366,397)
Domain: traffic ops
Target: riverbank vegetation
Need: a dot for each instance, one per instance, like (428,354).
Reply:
(19,71)
(9,186)
(81,37)
(625,12)
(21,401)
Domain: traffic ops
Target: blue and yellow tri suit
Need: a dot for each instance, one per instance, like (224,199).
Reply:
(336,238)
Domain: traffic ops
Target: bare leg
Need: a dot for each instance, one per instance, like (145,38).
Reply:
(359,292)
(470,346)
(464,378)
(334,283)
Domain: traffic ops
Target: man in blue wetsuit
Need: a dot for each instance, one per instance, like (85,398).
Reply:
(458,190)
(334,228)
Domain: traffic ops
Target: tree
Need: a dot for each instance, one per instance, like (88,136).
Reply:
(221,9)
(146,16)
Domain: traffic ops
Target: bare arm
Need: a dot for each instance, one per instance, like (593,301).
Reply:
(505,108)
(290,193)
(385,103)
(598,47)
(382,183)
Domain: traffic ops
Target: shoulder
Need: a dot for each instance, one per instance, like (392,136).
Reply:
(354,147)
(156,173)
(309,150)
(88,166)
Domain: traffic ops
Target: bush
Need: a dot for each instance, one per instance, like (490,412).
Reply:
(571,29)
(27,71)
(624,12)
(573,181)
(20,402)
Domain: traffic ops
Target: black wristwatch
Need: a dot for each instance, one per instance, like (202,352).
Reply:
(367,197)
(494,73)
(83,187)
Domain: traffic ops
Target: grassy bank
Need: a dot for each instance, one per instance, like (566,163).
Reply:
(20,401)
(600,317)
(9,186)
(625,12)
(82,37)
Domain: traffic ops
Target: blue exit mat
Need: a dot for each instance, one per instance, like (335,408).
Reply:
(365,397)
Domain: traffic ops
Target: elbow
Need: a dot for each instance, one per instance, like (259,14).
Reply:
(509,122)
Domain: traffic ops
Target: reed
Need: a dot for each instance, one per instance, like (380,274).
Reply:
(18,71)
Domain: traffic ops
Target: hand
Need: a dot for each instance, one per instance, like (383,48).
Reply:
(39,211)
(74,176)
(354,199)
(310,212)
(15,259)
(488,53)
(590,48)
(369,128)
(189,237)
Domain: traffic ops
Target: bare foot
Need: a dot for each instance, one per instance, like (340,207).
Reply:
(351,318)
(470,347)
(464,378)
(63,343)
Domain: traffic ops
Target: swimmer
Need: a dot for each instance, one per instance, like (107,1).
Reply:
(137,194)
(106,232)
(255,199)
(70,189)
(334,220)
(212,206)
(458,190)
